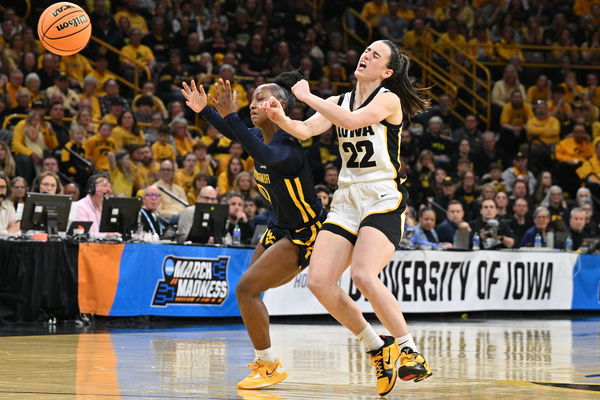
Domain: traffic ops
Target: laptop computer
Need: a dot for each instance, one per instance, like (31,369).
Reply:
(86,225)
(259,230)
(462,240)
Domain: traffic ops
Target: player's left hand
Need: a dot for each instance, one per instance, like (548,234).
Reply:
(226,99)
(273,109)
(301,90)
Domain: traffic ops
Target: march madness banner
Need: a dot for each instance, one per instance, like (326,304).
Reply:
(440,281)
(146,279)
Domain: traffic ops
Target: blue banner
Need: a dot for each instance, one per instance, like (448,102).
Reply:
(169,280)
(586,283)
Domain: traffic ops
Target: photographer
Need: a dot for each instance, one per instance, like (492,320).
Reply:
(493,234)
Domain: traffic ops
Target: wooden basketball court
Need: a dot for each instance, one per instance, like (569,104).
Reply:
(471,359)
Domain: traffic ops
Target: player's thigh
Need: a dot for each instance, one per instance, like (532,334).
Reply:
(330,257)
(372,252)
(272,266)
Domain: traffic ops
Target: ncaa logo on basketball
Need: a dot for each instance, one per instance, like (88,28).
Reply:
(192,281)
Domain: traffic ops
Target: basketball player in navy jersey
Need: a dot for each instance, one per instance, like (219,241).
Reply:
(364,225)
(284,180)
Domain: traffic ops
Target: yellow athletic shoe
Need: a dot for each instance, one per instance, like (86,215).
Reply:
(413,366)
(385,361)
(263,375)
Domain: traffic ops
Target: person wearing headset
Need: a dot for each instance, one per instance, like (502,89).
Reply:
(8,216)
(90,207)
(47,182)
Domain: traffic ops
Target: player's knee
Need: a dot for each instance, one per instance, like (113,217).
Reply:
(362,278)
(317,286)
(247,287)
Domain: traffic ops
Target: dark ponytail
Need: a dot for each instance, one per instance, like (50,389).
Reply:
(414,100)
(281,88)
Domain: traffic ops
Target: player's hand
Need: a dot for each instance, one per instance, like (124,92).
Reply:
(301,90)
(195,98)
(226,99)
(273,109)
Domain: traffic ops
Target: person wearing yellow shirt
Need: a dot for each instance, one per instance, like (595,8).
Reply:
(583,7)
(481,47)
(227,72)
(89,92)
(205,164)
(573,90)
(451,39)
(571,153)
(540,91)
(137,51)
(403,10)
(589,171)
(542,126)
(146,168)
(76,67)
(557,107)
(592,92)
(122,173)
(507,48)
(513,119)
(184,143)
(148,89)
(98,146)
(373,11)
(101,74)
(70,165)
(162,149)
(184,177)
(419,38)
(15,82)
(225,179)
(127,131)
(135,20)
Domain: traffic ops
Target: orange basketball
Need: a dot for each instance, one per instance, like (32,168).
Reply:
(64,28)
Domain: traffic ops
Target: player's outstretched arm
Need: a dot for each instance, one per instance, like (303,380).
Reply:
(302,130)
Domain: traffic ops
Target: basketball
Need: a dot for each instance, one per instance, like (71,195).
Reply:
(64,28)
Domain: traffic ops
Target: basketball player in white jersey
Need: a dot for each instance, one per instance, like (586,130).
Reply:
(364,226)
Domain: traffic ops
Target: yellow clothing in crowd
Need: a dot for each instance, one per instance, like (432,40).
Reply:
(146,176)
(19,145)
(163,152)
(373,12)
(547,129)
(101,79)
(446,43)
(418,43)
(124,137)
(568,150)
(571,94)
(184,179)
(515,116)
(534,94)
(142,53)
(122,185)
(590,169)
(97,149)
(479,49)
(75,66)
(135,20)
(96,112)
(242,95)
(184,145)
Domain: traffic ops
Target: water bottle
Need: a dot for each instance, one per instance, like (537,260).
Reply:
(569,243)
(538,240)
(476,241)
(237,235)
(550,240)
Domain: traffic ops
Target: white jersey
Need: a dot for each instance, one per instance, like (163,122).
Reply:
(371,153)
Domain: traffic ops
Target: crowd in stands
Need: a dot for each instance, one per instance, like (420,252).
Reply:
(534,169)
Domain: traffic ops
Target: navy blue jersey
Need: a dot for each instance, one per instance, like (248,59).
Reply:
(281,171)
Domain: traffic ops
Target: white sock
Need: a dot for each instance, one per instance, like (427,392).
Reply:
(369,338)
(407,340)
(264,355)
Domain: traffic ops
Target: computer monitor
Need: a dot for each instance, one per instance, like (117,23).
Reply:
(120,214)
(46,212)
(210,219)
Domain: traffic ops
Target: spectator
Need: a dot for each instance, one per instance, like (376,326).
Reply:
(330,177)
(570,153)
(557,106)
(520,221)
(207,194)
(576,231)
(494,177)
(205,164)
(469,131)
(589,171)
(437,141)
(573,90)
(170,207)
(418,39)
(544,128)
(454,216)
(541,220)
(324,195)
(502,206)
(122,173)
(226,178)
(70,97)
(373,11)
(148,90)
(182,138)
(490,154)
(520,191)
(503,89)
(227,73)
(135,54)
(18,191)
(425,234)
(555,203)
(127,132)
(7,162)
(58,125)
(513,120)
(70,164)
(200,181)
(184,176)
(494,234)
(47,182)
(49,71)
(238,217)
(540,91)
(244,185)
(111,87)
(8,217)
(98,146)
(72,189)
(543,183)
(146,169)
(150,219)
(251,205)
(163,149)
(519,170)
(171,76)
(393,25)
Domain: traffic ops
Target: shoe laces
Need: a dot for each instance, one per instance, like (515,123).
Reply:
(377,362)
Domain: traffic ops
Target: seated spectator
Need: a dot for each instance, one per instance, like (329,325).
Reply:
(493,234)
(513,121)
(520,191)
(417,39)
(573,90)
(330,177)
(557,106)
(143,111)
(15,82)
(184,177)
(148,90)
(576,231)
(324,195)
(392,25)
(71,162)
(238,217)
(502,91)
(182,138)
(436,140)
(491,153)
(541,221)
(111,87)
(8,216)
(72,189)
(136,53)
(205,164)
(122,173)
(70,97)
(170,207)
(480,46)
(244,185)
(469,131)
(150,219)
(7,162)
(226,178)
(146,167)
(207,194)
(171,76)
(18,191)
(90,86)
(200,180)
(502,206)
(425,234)
(227,73)
(494,177)
(589,171)
(163,149)
(540,91)
(127,132)
(519,170)
(542,126)
(454,216)
(570,153)
(555,203)
(114,113)
(543,183)
(520,220)
(90,207)
(467,190)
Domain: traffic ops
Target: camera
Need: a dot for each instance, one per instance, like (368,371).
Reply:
(490,232)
